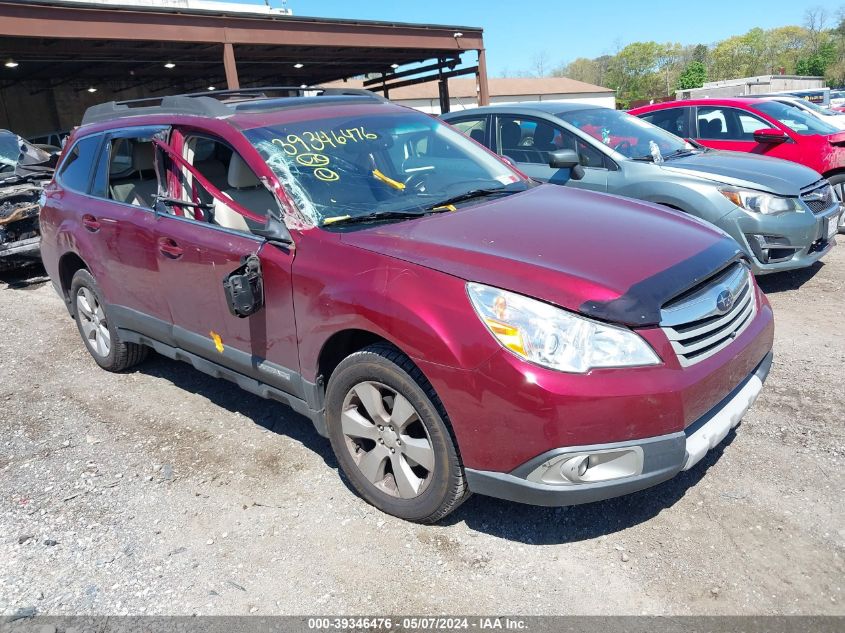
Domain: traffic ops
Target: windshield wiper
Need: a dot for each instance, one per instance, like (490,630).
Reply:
(373,217)
(646,158)
(679,152)
(468,195)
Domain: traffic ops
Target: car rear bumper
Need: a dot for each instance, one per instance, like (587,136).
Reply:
(660,458)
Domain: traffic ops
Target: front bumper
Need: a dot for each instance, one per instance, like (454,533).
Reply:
(782,242)
(661,457)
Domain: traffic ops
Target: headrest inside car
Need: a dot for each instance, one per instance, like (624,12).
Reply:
(142,156)
(240,175)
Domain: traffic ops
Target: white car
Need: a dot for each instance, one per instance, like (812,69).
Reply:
(836,119)
(837,98)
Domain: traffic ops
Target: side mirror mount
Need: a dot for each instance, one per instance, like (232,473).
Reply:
(275,231)
(244,288)
(770,135)
(567,159)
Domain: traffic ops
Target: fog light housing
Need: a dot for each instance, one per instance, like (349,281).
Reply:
(770,248)
(584,467)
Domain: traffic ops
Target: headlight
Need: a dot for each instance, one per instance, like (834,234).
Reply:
(554,338)
(764,203)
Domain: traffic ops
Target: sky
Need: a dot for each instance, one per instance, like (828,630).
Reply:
(516,32)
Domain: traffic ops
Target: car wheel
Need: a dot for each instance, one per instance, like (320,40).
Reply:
(389,433)
(837,181)
(98,332)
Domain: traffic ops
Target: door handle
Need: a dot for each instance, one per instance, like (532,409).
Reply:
(169,248)
(90,223)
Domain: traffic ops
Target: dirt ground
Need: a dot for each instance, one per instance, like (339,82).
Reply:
(163,491)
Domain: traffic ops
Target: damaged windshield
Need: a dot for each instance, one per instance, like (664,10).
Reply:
(10,151)
(16,154)
(379,166)
(628,135)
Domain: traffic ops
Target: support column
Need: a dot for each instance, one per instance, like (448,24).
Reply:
(230,66)
(443,89)
(483,90)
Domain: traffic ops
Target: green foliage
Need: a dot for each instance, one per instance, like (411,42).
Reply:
(816,65)
(650,70)
(693,76)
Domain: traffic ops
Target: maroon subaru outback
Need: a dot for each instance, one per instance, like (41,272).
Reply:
(449,324)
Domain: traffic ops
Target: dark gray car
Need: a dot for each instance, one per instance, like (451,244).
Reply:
(784,215)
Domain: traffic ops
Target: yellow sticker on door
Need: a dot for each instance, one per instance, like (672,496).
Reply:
(218,342)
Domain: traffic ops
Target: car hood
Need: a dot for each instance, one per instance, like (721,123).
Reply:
(605,256)
(743,169)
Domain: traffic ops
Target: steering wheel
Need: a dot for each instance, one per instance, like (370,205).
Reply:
(622,145)
(416,181)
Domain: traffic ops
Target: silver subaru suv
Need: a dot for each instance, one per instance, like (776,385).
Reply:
(783,215)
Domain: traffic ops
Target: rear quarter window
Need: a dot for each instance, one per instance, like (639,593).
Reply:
(75,171)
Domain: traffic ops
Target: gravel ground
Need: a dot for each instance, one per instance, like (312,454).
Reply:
(163,491)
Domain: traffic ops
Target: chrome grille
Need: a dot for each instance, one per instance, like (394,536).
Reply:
(819,198)
(700,322)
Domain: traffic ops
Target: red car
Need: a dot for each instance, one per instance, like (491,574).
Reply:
(449,324)
(761,126)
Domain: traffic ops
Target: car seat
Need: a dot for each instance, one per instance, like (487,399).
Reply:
(245,189)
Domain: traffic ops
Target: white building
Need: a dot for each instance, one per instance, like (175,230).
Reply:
(463,92)
(762,84)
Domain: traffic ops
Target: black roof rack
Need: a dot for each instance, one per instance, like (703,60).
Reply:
(215,104)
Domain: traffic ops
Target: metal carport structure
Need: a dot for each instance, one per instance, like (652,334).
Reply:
(58,57)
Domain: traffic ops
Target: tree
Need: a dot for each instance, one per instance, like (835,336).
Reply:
(816,65)
(693,76)
(815,19)
(540,63)
(668,63)
(582,69)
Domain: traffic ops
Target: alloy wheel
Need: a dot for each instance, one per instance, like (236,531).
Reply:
(92,321)
(387,439)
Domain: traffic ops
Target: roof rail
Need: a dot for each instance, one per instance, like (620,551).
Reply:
(210,104)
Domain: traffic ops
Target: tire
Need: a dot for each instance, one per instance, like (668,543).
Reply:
(380,383)
(98,332)
(837,181)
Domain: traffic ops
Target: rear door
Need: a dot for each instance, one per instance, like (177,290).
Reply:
(117,233)
(202,241)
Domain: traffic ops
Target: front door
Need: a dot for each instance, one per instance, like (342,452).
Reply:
(732,129)
(199,243)
(528,141)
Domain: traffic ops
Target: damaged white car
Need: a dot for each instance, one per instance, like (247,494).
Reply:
(24,169)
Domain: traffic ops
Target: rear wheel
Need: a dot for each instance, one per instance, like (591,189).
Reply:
(389,434)
(98,332)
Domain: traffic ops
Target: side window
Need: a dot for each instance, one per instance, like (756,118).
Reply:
(526,140)
(674,120)
(712,124)
(131,171)
(473,128)
(590,156)
(750,124)
(75,172)
(727,124)
(224,169)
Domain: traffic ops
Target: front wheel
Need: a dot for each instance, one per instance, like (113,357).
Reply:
(837,181)
(388,431)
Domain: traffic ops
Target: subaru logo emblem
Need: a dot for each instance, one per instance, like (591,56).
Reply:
(724,302)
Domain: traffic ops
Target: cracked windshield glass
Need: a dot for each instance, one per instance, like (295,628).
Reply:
(380,165)
(10,151)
